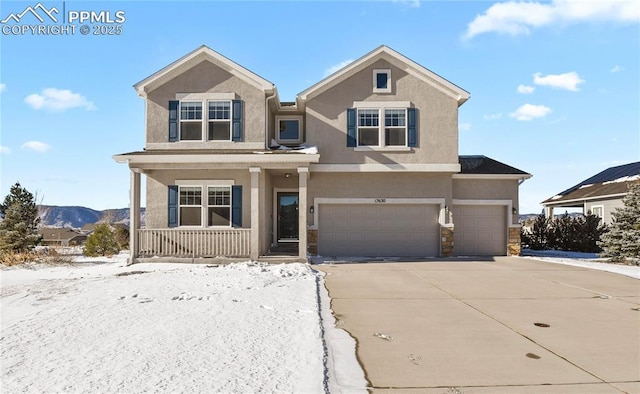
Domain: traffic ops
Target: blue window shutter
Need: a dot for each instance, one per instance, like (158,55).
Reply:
(173,120)
(236,206)
(173,206)
(413,134)
(351,127)
(236,123)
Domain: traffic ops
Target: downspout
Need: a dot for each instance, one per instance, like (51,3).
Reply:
(266,118)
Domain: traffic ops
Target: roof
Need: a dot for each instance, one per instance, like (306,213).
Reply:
(395,58)
(203,53)
(613,181)
(483,165)
(59,234)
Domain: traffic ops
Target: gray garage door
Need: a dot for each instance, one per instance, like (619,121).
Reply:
(378,230)
(480,230)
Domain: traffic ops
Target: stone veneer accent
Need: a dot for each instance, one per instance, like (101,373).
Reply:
(446,249)
(513,246)
(312,242)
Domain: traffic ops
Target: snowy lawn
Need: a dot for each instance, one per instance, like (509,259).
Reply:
(578,259)
(244,327)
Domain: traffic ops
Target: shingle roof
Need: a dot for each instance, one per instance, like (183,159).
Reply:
(478,164)
(612,181)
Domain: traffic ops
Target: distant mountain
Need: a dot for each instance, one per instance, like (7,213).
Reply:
(76,217)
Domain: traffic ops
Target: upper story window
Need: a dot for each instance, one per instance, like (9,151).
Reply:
(218,125)
(289,129)
(206,117)
(384,125)
(381,81)
(372,132)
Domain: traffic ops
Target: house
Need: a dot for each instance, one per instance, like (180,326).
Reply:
(600,194)
(363,163)
(61,237)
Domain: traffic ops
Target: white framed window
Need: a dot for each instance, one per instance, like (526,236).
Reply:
(289,129)
(381,81)
(191,120)
(598,210)
(190,206)
(218,120)
(219,206)
(373,132)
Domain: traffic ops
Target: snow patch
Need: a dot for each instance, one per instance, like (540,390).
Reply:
(578,259)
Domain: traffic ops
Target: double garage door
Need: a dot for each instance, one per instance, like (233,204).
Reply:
(480,230)
(378,230)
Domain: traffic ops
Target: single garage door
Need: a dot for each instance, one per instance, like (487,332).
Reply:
(480,230)
(378,230)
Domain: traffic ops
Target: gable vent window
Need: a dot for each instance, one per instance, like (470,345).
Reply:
(381,81)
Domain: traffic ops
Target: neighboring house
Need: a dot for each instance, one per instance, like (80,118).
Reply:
(52,236)
(88,228)
(363,163)
(601,194)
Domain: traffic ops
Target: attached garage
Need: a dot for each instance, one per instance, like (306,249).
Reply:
(378,230)
(480,230)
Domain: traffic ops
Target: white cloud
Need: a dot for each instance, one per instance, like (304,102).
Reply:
(617,69)
(464,126)
(519,17)
(493,116)
(3,87)
(567,81)
(529,112)
(58,100)
(336,67)
(524,89)
(4,150)
(36,146)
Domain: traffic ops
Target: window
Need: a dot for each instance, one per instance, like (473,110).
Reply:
(219,120)
(219,206)
(395,127)
(190,205)
(371,132)
(289,129)
(597,210)
(382,81)
(218,125)
(191,120)
(368,127)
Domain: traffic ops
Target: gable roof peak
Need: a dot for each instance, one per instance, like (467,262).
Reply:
(384,51)
(191,59)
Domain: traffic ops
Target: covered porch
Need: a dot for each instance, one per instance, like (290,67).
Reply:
(275,188)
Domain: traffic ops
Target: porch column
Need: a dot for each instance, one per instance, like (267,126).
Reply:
(548,212)
(134,214)
(255,212)
(303,174)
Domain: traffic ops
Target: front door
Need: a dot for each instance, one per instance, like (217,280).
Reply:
(287,217)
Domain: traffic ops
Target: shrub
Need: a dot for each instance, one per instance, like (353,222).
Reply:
(578,234)
(102,242)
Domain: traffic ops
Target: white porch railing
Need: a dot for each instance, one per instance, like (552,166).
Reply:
(176,242)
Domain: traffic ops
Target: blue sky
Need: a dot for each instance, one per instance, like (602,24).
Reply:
(554,85)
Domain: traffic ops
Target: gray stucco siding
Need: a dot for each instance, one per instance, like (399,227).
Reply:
(205,77)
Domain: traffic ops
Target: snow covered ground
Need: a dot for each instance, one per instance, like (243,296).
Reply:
(100,326)
(578,259)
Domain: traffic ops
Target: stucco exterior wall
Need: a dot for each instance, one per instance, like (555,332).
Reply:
(378,185)
(205,77)
(487,189)
(326,119)
(157,192)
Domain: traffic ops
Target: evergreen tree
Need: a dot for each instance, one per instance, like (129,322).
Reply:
(102,242)
(590,232)
(622,241)
(19,226)
(538,237)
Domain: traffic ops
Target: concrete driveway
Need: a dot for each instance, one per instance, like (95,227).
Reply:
(505,325)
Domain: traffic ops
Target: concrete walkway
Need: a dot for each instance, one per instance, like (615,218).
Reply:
(505,325)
